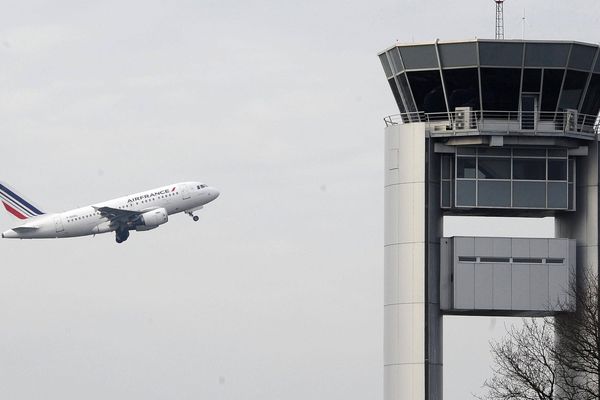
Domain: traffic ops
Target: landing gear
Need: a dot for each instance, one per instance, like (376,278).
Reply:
(194,217)
(121,235)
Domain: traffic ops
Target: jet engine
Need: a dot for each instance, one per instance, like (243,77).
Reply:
(152,219)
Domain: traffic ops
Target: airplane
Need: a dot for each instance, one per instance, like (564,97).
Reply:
(140,212)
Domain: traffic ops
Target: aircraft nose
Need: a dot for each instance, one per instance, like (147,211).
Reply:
(214,193)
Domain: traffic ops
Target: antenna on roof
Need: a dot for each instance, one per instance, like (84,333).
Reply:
(499,19)
(523,27)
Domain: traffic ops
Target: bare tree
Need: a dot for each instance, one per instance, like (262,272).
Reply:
(577,348)
(551,358)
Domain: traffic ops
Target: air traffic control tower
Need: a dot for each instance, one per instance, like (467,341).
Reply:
(486,128)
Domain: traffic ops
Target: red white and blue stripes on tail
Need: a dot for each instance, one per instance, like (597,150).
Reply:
(16,204)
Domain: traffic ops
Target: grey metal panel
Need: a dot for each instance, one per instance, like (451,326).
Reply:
(539,287)
(506,286)
(464,246)
(502,287)
(386,65)
(484,286)
(464,283)
(558,248)
(501,54)
(520,247)
(419,57)
(446,263)
(582,56)
(546,54)
(557,195)
(493,193)
(529,194)
(484,246)
(538,248)
(501,247)
(458,54)
(396,62)
(558,286)
(520,287)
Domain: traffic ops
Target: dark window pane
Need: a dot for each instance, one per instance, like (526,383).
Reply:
(573,89)
(582,56)
(527,152)
(466,150)
(446,194)
(571,196)
(462,88)
(550,91)
(571,170)
(557,170)
(493,151)
(529,194)
(532,79)
(396,92)
(597,67)
(557,153)
(427,91)
(591,103)
(528,109)
(465,193)
(557,195)
(546,54)
(465,167)
(385,64)
(501,54)
(493,194)
(494,259)
(396,63)
(500,88)
(531,169)
(527,260)
(406,93)
(418,57)
(458,54)
(493,168)
(446,166)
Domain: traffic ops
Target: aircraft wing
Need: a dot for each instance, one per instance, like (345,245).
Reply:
(117,215)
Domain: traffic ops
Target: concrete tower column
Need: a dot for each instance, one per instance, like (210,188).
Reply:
(413,227)
(582,225)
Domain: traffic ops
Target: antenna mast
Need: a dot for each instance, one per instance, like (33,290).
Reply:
(499,19)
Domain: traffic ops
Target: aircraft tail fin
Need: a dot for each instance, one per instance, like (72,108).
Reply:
(16,204)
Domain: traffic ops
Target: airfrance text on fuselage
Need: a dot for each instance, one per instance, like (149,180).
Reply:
(165,191)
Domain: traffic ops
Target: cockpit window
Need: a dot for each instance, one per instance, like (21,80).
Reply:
(202,186)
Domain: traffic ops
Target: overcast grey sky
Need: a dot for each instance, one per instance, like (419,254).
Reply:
(277,292)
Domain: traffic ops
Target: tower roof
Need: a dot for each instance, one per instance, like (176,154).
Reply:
(494,75)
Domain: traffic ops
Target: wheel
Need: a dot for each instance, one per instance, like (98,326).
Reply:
(196,218)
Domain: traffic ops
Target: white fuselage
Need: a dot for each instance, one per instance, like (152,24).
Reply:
(175,198)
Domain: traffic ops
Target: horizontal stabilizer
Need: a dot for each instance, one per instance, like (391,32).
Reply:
(25,228)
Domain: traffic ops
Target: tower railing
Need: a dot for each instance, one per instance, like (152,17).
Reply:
(465,122)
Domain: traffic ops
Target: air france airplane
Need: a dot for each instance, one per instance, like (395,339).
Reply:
(140,211)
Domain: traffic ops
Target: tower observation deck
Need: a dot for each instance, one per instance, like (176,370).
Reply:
(488,128)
